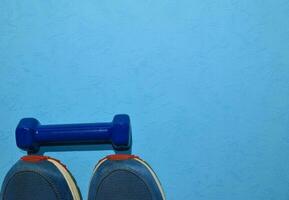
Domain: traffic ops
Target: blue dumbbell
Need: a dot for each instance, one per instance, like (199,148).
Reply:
(30,135)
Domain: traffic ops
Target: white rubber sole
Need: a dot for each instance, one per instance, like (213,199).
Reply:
(154,176)
(71,183)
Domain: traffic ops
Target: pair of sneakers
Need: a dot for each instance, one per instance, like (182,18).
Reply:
(115,177)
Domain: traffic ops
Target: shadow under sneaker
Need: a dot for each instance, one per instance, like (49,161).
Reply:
(39,178)
(124,177)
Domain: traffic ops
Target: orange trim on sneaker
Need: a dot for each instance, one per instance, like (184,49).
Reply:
(120,157)
(34,158)
(38,158)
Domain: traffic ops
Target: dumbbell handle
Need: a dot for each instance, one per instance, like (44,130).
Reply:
(30,135)
(70,133)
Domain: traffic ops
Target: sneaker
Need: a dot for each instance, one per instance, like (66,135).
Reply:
(39,178)
(124,177)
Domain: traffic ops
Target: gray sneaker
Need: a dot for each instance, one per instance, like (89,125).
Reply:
(39,178)
(124,177)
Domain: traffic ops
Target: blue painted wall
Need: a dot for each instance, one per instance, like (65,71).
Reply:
(205,82)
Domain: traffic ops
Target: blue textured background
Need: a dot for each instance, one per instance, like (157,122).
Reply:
(205,82)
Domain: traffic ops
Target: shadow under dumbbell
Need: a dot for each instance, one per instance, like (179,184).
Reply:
(92,147)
